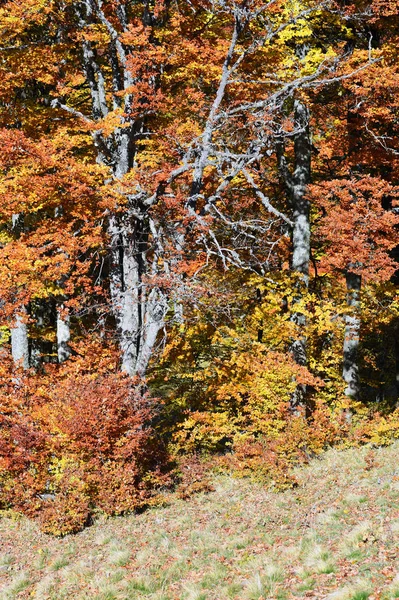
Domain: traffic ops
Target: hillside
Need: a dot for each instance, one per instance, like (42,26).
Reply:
(335,536)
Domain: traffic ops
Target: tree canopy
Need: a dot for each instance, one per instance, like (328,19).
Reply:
(198,203)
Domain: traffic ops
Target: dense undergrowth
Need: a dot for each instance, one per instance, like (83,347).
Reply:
(83,440)
(73,444)
(202,195)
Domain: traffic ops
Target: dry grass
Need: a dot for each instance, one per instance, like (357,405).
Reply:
(336,536)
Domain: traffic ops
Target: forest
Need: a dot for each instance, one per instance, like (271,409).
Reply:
(199,244)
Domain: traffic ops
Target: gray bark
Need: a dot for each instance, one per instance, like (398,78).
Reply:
(301,216)
(19,332)
(125,292)
(296,183)
(138,319)
(19,341)
(139,316)
(63,335)
(206,141)
(153,323)
(350,370)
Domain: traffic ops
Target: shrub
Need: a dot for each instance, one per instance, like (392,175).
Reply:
(77,444)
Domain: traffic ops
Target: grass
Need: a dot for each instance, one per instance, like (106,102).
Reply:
(335,537)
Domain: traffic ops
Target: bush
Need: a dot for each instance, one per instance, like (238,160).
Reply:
(242,412)
(76,444)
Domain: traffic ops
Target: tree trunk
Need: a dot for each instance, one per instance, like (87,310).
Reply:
(156,307)
(296,184)
(63,335)
(137,324)
(124,281)
(36,343)
(300,204)
(139,316)
(350,371)
(19,341)
(301,218)
(19,333)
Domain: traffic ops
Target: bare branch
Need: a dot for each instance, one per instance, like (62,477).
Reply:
(76,113)
(265,200)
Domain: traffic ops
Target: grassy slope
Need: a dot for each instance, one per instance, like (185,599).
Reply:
(336,536)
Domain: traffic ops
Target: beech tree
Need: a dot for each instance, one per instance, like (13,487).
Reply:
(111,70)
(199,202)
(163,122)
(359,233)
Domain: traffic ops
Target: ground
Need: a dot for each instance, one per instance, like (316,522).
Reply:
(335,536)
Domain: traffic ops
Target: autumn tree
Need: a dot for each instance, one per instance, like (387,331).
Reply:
(357,157)
(179,183)
(202,195)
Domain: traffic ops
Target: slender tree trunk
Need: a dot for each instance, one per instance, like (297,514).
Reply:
(19,341)
(139,315)
(156,307)
(301,179)
(296,183)
(127,229)
(19,332)
(350,370)
(63,335)
(124,282)
(301,219)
